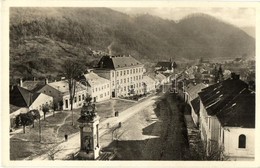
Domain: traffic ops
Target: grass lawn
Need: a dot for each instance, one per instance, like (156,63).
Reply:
(23,145)
(54,128)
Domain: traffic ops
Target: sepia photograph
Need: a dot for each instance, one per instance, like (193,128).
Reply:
(131,83)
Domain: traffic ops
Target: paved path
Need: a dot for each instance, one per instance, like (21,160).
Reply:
(65,149)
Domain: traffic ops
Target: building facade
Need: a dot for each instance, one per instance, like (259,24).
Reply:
(227,119)
(60,92)
(98,87)
(125,74)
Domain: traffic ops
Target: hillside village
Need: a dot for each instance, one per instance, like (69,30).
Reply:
(215,99)
(115,87)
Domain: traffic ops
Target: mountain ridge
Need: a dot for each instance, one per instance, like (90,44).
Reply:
(148,38)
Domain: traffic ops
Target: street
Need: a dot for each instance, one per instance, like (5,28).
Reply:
(154,133)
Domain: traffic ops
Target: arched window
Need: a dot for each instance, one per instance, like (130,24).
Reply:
(242,141)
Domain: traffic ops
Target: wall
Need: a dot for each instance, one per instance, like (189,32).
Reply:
(48,90)
(77,102)
(101,92)
(41,100)
(231,135)
(203,122)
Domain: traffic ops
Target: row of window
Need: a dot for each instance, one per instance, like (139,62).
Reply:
(127,80)
(105,94)
(100,88)
(130,87)
(127,72)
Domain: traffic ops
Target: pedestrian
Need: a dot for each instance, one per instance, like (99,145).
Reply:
(66,137)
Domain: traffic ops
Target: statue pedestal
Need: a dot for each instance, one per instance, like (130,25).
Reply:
(89,139)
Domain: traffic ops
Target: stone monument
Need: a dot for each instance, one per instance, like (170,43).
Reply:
(89,132)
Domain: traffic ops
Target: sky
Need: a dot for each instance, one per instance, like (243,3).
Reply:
(241,17)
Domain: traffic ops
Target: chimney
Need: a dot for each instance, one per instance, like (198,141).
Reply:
(21,82)
(46,81)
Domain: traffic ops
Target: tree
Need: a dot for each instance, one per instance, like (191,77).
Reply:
(45,109)
(24,119)
(35,115)
(72,70)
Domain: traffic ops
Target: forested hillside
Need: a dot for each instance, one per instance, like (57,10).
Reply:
(42,38)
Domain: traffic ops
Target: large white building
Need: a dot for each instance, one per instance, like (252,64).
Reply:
(98,87)
(227,119)
(125,74)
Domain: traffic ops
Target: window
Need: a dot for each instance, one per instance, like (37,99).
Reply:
(130,71)
(124,88)
(79,97)
(75,100)
(120,73)
(113,83)
(116,73)
(121,81)
(107,93)
(127,71)
(83,97)
(127,79)
(112,74)
(124,80)
(133,70)
(96,89)
(107,85)
(124,72)
(242,141)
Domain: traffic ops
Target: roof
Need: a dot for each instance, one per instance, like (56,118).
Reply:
(94,80)
(193,89)
(115,62)
(239,112)
(148,80)
(13,108)
(22,97)
(33,85)
(63,86)
(164,64)
(160,77)
(231,101)
(196,105)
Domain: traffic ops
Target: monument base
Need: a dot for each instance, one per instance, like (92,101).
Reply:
(91,155)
